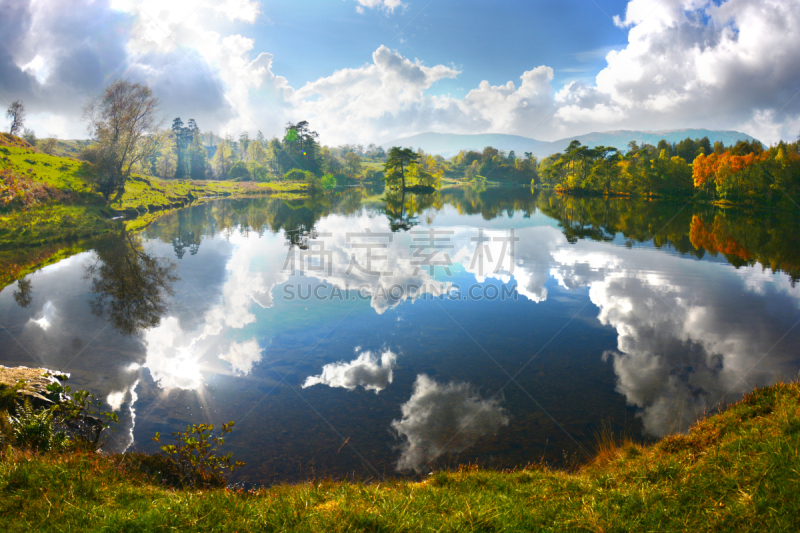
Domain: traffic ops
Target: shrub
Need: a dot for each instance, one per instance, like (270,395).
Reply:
(194,459)
(329,181)
(69,421)
(76,417)
(49,146)
(261,173)
(295,175)
(16,191)
(239,172)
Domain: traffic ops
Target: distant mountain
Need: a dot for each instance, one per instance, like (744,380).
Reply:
(449,144)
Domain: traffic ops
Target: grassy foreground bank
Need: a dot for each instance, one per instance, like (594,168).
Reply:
(736,471)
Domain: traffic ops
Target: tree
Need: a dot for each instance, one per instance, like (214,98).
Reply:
(686,149)
(121,120)
(300,145)
(244,143)
(16,112)
(197,156)
(328,181)
(180,147)
(352,164)
(239,172)
(223,159)
(394,168)
(30,136)
(49,145)
(166,160)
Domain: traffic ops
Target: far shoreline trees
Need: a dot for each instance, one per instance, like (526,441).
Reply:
(128,139)
(744,172)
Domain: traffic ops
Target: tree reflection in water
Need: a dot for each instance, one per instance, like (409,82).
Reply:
(129,285)
(402,208)
(23,295)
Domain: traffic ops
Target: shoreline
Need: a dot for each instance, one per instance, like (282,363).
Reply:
(734,470)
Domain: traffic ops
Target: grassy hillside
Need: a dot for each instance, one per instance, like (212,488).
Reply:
(736,471)
(67,148)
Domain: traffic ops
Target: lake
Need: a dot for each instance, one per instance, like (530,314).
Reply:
(365,335)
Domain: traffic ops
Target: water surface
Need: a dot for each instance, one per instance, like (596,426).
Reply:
(351,336)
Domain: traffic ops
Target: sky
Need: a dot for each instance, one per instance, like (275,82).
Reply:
(372,71)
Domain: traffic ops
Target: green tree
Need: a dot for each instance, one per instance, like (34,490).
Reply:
(179,131)
(301,146)
(687,150)
(197,156)
(223,159)
(328,181)
(167,159)
(122,120)
(352,164)
(395,166)
(30,136)
(239,171)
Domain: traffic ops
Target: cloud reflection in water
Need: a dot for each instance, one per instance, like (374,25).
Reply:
(366,371)
(443,418)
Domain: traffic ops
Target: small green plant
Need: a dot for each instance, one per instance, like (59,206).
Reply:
(33,429)
(195,455)
(75,415)
(69,421)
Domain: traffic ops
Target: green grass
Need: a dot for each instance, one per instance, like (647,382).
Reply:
(58,172)
(738,471)
(366,165)
(67,148)
(150,195)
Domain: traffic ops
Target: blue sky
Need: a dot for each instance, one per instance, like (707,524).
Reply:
(376,70)
(494,41)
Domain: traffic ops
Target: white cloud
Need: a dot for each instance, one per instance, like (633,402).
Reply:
(366,371)
(387,99)
(388,5)
(244,10)
(697,63)
(371,97)
(443,418)
(250,95)
(687,63)
(243,355)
